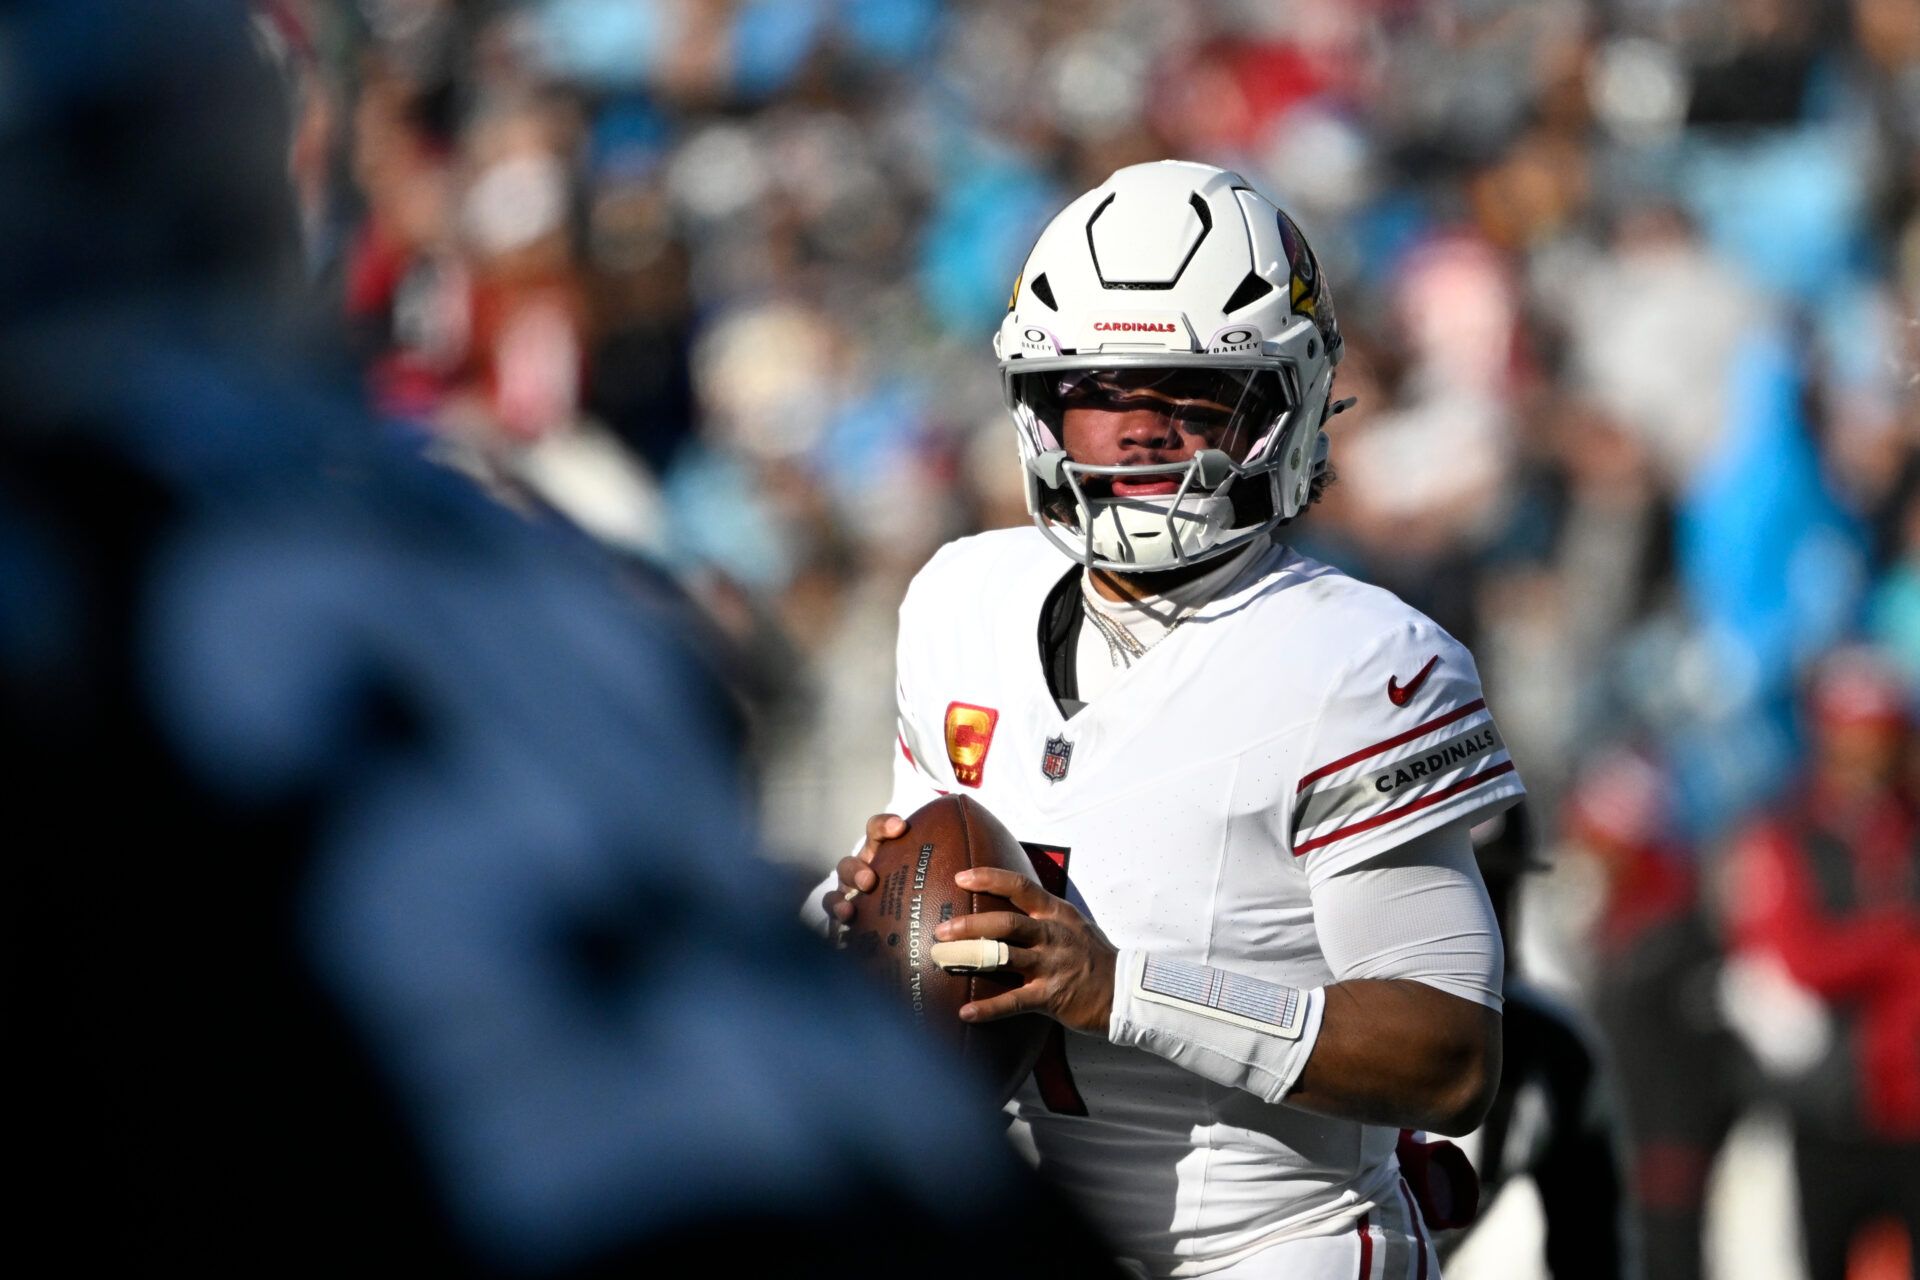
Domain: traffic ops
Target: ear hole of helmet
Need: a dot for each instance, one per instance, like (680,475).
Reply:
(1252,503)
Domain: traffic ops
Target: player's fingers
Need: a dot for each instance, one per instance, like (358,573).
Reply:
(1023,892)
(856,874)
(1023,999)
(882,826)
(982,955)
(837,906)
(1007,926)
(1023,960)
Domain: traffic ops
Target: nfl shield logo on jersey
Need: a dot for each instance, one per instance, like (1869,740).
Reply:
(1054,763)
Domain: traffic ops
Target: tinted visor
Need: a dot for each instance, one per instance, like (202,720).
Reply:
(1232,410)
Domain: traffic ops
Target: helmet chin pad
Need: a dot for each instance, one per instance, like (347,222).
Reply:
(1154,533)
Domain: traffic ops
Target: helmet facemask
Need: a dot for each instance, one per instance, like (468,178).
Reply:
(1236,421)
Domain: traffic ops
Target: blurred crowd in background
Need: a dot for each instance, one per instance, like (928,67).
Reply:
(1631,294)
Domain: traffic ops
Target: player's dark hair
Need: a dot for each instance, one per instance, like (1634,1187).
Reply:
(1323,479)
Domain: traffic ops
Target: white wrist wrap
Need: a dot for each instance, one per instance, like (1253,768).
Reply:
(1231,1029)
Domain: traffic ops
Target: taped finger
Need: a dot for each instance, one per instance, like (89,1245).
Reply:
(971,955)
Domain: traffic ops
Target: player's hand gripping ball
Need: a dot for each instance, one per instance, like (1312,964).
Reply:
(903,883)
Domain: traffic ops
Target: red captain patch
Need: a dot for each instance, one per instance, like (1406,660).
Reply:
(969,734)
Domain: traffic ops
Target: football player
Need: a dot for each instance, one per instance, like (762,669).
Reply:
(1247,780)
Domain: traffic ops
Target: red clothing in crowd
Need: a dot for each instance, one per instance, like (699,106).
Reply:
(1834,893)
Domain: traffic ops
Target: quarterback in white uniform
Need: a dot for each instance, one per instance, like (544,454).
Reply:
(1246,779)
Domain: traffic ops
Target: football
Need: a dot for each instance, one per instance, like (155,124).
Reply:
(892,934)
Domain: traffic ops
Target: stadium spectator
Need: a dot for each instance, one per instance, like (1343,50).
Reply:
(1654,992)
(1825,906)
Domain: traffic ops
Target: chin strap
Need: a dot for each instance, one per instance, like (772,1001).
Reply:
(1215,468)
(1050,468)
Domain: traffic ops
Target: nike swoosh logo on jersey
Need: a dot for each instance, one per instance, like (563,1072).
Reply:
(1399,694)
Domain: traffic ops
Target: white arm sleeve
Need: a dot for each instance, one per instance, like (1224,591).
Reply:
(1418,911)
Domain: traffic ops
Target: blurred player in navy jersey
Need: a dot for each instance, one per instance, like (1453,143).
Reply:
(383,894)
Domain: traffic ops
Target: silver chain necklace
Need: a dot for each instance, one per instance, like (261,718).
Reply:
(1123,647)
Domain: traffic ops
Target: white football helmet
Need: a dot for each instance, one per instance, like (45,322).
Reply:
(1180,283)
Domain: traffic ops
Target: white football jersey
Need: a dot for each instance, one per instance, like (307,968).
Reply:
(1299,723)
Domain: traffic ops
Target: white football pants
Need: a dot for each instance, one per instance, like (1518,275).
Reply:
(1389,1242)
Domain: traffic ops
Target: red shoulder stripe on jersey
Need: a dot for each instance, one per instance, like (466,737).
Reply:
(1366,1249)
(1398,738)
(905,750)
(1445,793)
